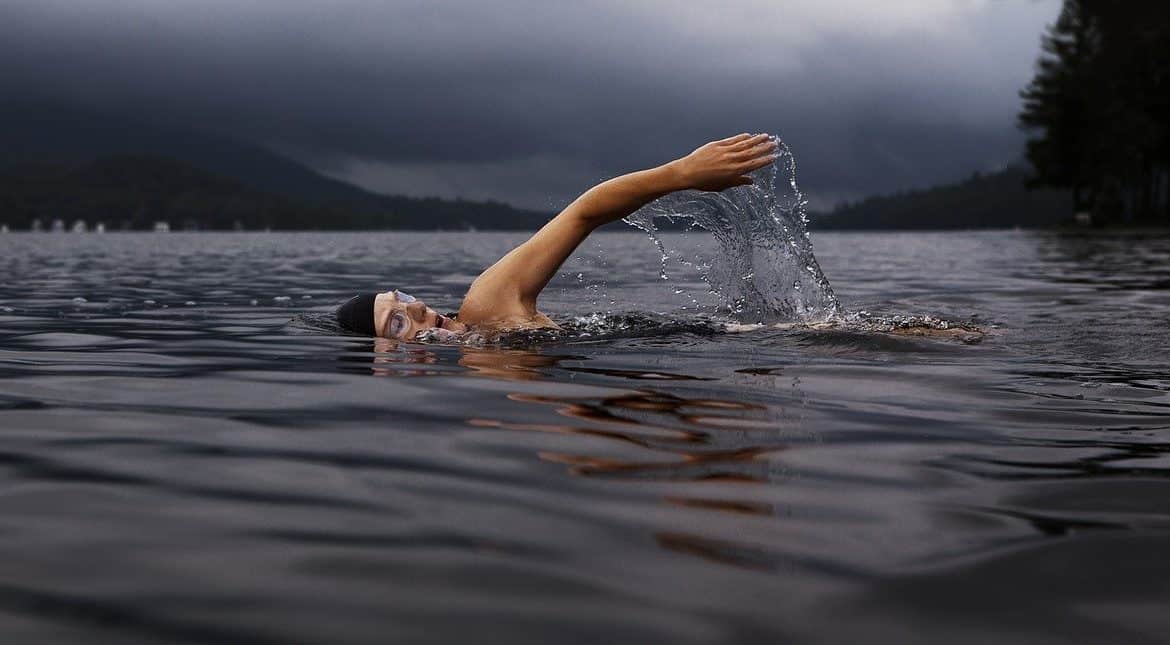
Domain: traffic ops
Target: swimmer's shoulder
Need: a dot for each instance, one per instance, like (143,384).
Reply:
(519,323)
(508,322)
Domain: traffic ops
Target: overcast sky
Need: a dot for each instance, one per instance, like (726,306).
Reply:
(533,101)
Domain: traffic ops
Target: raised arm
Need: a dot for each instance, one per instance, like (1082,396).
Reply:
(506,292)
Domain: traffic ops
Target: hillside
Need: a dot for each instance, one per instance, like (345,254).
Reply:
(993,200)
(135,191)
(47,134)
(66,163)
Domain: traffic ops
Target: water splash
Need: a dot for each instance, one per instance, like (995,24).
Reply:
(765,270)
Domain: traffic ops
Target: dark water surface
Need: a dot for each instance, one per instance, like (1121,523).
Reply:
(200,469)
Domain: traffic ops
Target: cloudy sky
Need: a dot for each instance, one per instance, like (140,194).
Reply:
(531,101)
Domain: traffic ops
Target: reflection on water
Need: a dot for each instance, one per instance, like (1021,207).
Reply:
(682,432)
(679,439)
(225,472)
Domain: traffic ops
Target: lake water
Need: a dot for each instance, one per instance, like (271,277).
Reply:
(187,455)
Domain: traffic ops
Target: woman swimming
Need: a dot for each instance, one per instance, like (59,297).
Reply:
(504,296)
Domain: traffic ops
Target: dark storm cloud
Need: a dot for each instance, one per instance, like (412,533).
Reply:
(531,101)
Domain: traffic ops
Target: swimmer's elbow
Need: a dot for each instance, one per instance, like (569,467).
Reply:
(582,221)
(616,198)
(590,211)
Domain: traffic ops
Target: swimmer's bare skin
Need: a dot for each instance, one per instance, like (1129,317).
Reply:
(504,296)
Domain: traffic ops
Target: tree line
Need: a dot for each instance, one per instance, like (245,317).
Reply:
(133,192)
(1098,109)
(983,200)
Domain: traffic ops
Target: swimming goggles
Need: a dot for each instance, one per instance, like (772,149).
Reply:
(398,320)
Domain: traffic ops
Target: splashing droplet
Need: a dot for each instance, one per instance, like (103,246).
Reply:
(764,247)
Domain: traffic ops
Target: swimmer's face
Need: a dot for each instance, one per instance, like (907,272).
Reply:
(397,315)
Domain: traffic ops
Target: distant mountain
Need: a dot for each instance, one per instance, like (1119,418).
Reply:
(992,200)
(54,134)
(135,191)
(65,163)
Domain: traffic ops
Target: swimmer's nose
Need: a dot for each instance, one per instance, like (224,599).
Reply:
(417,311)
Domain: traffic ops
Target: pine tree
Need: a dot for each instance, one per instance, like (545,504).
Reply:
(1060,102)
(1100,102)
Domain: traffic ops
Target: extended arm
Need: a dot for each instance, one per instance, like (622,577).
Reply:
(506,292)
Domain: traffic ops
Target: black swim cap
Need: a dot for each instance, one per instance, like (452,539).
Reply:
(357,314)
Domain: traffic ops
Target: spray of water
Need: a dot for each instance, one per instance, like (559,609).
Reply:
(765,270)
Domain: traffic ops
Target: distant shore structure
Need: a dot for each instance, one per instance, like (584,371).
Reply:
(80,226)
(35,225)
(58,226)
(3,228)
(162,227)
(99,228)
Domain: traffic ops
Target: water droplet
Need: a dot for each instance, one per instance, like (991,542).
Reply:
(763,245)
(281,299)
(79,301)
(190,303)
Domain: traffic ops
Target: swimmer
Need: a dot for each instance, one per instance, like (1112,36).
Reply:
(504,296)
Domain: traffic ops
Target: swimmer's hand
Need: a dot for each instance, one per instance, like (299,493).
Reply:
(724,164)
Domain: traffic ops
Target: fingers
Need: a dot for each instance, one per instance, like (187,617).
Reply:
(749,142)
(736,139)
(743,181)
(768,146)
(756,163)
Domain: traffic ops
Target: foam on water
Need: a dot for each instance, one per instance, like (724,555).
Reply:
(764,270)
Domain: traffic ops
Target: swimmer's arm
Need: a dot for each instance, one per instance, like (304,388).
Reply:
(509,287)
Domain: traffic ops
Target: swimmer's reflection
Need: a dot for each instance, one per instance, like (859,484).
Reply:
(516,365)
(684,439)
(720,551)
(679,439)
(657,436)
(645,435)
(394,359)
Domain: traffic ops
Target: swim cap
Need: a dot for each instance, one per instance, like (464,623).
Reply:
(357,314)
